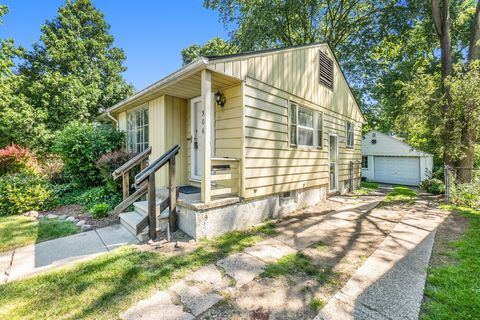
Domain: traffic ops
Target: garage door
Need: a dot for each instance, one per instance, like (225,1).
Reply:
(398,170)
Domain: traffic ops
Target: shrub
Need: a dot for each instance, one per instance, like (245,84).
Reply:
(100,210)
(51,166)
(80,145)
(92,196)
(433,185)
(15,159)
(108,163)
(466,194)
(23,192)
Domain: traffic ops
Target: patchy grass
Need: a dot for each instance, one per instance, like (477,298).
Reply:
(298,262)
(401,194)
(108,285)
(316,304)
(19,231)
(453,290)
(366,188)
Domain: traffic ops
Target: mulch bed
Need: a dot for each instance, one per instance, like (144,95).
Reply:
(79,212)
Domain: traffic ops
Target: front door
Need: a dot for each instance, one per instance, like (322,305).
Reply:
(198,138)
(333,161)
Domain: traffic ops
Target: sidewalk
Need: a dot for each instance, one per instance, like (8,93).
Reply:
(35,258)
(390,284)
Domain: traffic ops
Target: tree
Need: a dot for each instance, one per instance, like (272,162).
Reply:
(461,116)
(213,47)
(19,123)
(74,72)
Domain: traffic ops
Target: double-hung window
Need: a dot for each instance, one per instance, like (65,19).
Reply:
(306,126)
(137,129)
(350,133)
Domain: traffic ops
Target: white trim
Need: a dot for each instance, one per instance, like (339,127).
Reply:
(192,128)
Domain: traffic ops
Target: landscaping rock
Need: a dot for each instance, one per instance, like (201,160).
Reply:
(32,214)
(80,223)
(194,298)
(63,217)
(86,227)
(52,216)
(71,219)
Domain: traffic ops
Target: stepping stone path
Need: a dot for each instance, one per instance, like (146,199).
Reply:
(205,288)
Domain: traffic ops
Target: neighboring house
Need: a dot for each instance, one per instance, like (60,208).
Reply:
(388,159)
(284,137)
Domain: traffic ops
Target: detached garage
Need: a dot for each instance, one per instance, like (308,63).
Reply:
(388,159)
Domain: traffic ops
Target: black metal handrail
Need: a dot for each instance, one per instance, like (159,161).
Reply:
(156,165)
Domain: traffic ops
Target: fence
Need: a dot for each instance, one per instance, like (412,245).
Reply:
(462,186)
(354,175)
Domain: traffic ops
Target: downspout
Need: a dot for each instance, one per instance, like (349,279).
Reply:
(113,119)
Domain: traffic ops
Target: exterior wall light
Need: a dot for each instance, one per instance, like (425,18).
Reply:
(220,98)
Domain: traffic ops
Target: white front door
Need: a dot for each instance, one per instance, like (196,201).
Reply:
(333,162)
(197,127)
(198,138)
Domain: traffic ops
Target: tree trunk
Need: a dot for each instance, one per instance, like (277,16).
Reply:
(469,131)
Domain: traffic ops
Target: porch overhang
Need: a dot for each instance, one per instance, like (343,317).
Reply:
(185,83)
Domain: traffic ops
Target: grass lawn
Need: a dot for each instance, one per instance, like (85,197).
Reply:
(19,231)
(365,188)
(401,194)
(108,285)
(453,291)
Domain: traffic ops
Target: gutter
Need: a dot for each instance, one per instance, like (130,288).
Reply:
(109,115)
(200,62)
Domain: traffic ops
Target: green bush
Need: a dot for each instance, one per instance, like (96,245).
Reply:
(80,145)
(23,192)
(100,210)
(95,195)
(466,194)
(433,185)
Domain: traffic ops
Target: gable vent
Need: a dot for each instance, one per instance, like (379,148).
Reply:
(325,70)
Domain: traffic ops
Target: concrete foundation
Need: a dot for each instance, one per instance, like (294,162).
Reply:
(212,222)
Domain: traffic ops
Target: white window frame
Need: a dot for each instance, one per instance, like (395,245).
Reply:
(364,161)
(347,138)
(294,125)
(135,142)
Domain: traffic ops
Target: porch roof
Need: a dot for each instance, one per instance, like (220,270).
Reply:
(184,83)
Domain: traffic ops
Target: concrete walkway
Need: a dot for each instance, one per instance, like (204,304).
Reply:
(35,258)
(390,284)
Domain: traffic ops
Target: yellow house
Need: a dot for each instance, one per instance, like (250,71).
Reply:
(260,134)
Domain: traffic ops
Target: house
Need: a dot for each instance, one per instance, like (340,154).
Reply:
(260,134)
(388,159)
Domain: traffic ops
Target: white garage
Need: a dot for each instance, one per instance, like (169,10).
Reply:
(389,160)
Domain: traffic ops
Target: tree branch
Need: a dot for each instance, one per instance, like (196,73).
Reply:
(474,48)
(437,19)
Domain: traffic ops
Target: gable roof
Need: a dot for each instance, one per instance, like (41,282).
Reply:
(393,146)
(205,62)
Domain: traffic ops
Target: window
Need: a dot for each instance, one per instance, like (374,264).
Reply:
(319,130)
(325,67)
(137,130)
(350,135)
(365,162)
(306,127)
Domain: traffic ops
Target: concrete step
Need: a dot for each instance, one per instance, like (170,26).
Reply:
(130,220)
(141,207)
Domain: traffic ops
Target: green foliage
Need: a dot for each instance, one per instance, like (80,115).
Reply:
(401,194)
(15,159)
(466,194)
(366,187)
(80,145)
(19,231)
(74,72)
(213,47)
(23,192)
(451,291)
(433,185)
(111,161)
(69,194)
(316,304)
(100,210)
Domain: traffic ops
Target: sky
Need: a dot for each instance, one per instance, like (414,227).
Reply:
(151,32)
